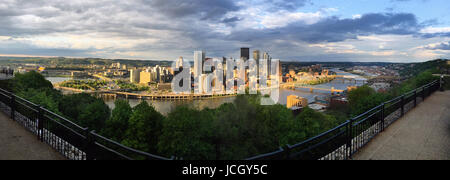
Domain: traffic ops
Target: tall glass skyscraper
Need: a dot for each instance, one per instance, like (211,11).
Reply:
(199,59)
(245,53)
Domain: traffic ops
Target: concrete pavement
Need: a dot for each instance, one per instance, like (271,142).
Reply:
(422,134)
(16,143)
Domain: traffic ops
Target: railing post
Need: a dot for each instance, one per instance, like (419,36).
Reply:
(423,93)
(402,103)
(349,138)
(90,154)
(40,123)
(287,151)
(441,83)
(382,116)
(12,105)
(415,97)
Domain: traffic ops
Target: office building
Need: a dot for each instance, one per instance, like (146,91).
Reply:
(179,62)
(295,101)
(145,77)
(135,75)
(256,57)
(199,59)
(201,83)
(245,53)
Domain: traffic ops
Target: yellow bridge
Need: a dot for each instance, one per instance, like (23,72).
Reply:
(296,87)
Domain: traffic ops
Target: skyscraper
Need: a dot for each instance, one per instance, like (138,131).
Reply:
(199,59)
(267,58)
(256,56)
(245,53)
(179,62)
(135,75)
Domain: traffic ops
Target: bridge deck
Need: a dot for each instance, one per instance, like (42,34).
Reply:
(423,134)
(16,143)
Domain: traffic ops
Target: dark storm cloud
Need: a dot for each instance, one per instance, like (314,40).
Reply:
(203,9)
(288,4)
(334,29)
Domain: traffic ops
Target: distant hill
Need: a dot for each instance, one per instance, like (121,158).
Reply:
(436,66)
(80,61)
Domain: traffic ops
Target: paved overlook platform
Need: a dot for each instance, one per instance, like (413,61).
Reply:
(422,134)
(16,143)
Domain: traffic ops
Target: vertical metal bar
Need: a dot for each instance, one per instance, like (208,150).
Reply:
(12,105)
(423,93)
(287,151)
(88,145)
(40,123)
(415,98)
(382,117)
(402,103)
(349,138)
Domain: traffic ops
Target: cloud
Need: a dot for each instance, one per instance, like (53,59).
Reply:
(203,9)
(334,29)
(283,18)
(288,4)
(167,29)
(438,46)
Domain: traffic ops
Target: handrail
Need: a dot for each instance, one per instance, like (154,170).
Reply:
(64,119)
(320,135)
(367,112)
(266,154)
(128,148)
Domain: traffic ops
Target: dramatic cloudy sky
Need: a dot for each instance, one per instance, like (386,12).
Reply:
(297,30)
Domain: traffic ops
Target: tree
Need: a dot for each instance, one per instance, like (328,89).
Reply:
(47,98)
(116,126)
(144,128)
(187,133)
(94,115)
(85,110)
(364,98)
(311,123)
(30,80)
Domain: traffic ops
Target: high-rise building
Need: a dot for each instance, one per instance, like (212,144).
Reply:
(245,53)
(179,62)
(135,75)
(158,73)
(145,77)
(209,65)
(295,101)
(256,56)
(267,58)
(202,83)
(199,59)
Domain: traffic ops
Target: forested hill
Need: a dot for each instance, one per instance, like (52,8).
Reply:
(435,66)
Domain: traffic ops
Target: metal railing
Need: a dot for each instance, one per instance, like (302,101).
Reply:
(341,142)
(69,139)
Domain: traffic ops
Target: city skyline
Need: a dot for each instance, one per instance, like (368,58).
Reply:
(301,30)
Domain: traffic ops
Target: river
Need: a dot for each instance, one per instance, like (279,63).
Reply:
(165,106)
